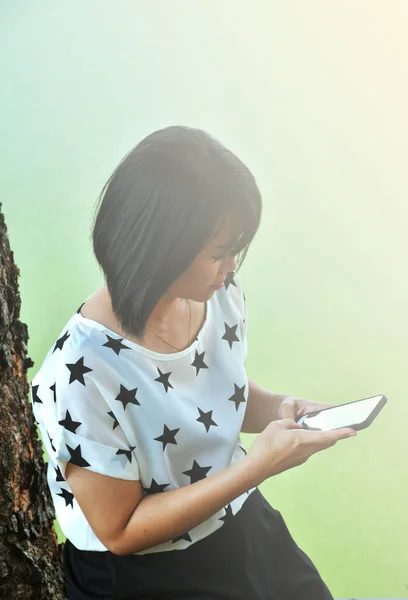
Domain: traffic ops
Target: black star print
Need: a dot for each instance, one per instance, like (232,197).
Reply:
(228,514)
(168,436)
(59,474)
(230,334)
(128,453)
(68,497)
(243,449)
(61,341)
(243,293)
(78,370)
(230,280)
(238,395)
(127,396)
(79,309)
(69,424)
(206,418)
(115,421)
(52,387)
(35,395)
(196,472)
(164,379)
(52,445)
(76,458)
(115,344)
(155,487)
(185,536)
(198,362)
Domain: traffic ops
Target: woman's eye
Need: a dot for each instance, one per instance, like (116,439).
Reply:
(226,255)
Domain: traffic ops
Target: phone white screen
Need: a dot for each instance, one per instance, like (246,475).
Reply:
(343,415)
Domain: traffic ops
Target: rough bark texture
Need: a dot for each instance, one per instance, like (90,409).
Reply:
(30,556)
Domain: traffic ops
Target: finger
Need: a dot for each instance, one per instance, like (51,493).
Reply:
(345,432)
(286,410)
(339,434)
(328,437)
(289,423)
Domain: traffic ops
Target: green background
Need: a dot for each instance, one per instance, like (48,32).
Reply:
(312,96)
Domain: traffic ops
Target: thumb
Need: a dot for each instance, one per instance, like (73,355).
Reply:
(289,423)
(287,409)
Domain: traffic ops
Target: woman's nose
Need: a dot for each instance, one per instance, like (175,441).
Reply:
(232,264)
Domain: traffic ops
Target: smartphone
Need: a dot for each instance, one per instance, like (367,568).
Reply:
(357,415)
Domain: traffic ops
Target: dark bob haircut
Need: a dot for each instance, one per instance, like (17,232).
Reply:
(166,200)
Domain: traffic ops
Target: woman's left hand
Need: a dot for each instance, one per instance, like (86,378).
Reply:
(294,408)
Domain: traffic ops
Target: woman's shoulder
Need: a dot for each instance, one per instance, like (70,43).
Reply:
(233,293)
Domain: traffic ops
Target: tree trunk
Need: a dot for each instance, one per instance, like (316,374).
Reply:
(30,556)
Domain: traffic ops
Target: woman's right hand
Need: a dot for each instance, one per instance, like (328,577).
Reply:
(285,444)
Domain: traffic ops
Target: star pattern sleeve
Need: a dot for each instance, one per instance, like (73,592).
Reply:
(87,432)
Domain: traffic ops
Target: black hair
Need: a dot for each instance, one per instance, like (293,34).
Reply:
(165,201)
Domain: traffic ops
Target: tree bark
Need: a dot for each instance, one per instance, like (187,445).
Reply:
(31,564)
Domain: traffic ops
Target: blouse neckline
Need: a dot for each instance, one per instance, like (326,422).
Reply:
(146,351)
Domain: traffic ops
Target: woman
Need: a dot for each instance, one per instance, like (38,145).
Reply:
(141,400)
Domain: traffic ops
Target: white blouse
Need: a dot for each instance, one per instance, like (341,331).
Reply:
(107,404)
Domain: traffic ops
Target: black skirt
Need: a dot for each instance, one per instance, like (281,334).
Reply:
(251,557)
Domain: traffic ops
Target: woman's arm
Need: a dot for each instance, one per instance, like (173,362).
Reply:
(126,521)
(163,516)
(262,408)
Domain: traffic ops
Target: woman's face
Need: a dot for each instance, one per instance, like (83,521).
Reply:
(207,269)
